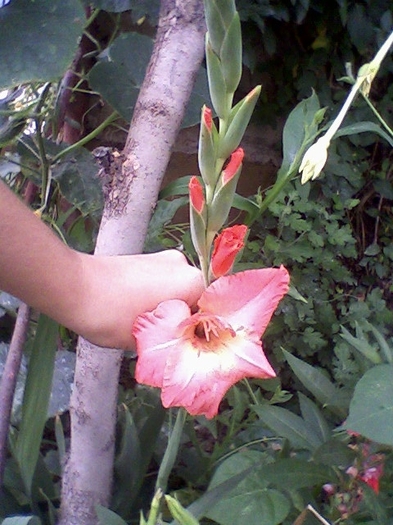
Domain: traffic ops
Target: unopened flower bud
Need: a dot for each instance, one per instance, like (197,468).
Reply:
(207,148)
(233,166)
(182,515)
(197,198)
(226,247)
(314,160)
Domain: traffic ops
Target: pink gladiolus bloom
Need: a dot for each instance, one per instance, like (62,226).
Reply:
(207,117)
(226,247)
(196,194)
(233,165)
(196,358)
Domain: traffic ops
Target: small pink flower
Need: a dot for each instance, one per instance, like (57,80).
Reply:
(196,194)
(226,247)
(233,166)
(196,358)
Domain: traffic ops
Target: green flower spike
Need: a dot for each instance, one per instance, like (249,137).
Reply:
(223,53)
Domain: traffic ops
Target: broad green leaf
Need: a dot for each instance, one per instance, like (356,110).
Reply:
(38,39)
(132,51)
(116,86)
(288,425)
(299,125)
(36,398)
(199,96)
(76,175)
(251,501)
(201,506)
(371,408)
(22,520)
(334,453)
(140,9)
(108,517)
(317,383)
(254,506)
(295,474)
(175,188)
(314,418)
(163,214)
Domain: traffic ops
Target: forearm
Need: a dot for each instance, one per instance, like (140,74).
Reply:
(97,297)
(35,265)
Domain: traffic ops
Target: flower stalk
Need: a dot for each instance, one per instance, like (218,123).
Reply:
(171,451)
(315,157)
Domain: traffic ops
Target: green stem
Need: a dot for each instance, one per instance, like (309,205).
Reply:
(381,120)
(112,117)
(251,392)
(171,451)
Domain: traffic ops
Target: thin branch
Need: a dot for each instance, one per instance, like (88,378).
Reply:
(9,379)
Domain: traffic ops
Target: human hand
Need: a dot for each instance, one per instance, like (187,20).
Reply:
(117,289)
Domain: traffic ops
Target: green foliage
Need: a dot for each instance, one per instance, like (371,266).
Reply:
(50,32)
(370,412)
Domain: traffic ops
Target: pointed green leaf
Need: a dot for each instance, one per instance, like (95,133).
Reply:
(300,124)
(364,127)
(317,383)
(36,398)
(288,425)
(314,418)
(361,345)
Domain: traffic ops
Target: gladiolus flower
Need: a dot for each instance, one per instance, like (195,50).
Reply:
(196,194)
(196,358)
(226,247)
(233,166)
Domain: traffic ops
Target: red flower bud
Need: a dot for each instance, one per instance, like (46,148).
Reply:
(226,247)
(197,197)
(207,117)
(233,165)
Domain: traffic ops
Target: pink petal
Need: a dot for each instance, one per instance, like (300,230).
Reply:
(155,332)
(246,299)
(198,379)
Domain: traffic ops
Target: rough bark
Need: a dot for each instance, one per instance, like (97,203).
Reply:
(176,58)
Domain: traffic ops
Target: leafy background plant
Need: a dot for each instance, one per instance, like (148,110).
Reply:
(285,437)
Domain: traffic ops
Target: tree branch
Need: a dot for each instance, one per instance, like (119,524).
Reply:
(176,58)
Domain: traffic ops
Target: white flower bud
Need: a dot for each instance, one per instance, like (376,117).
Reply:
(314,160)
